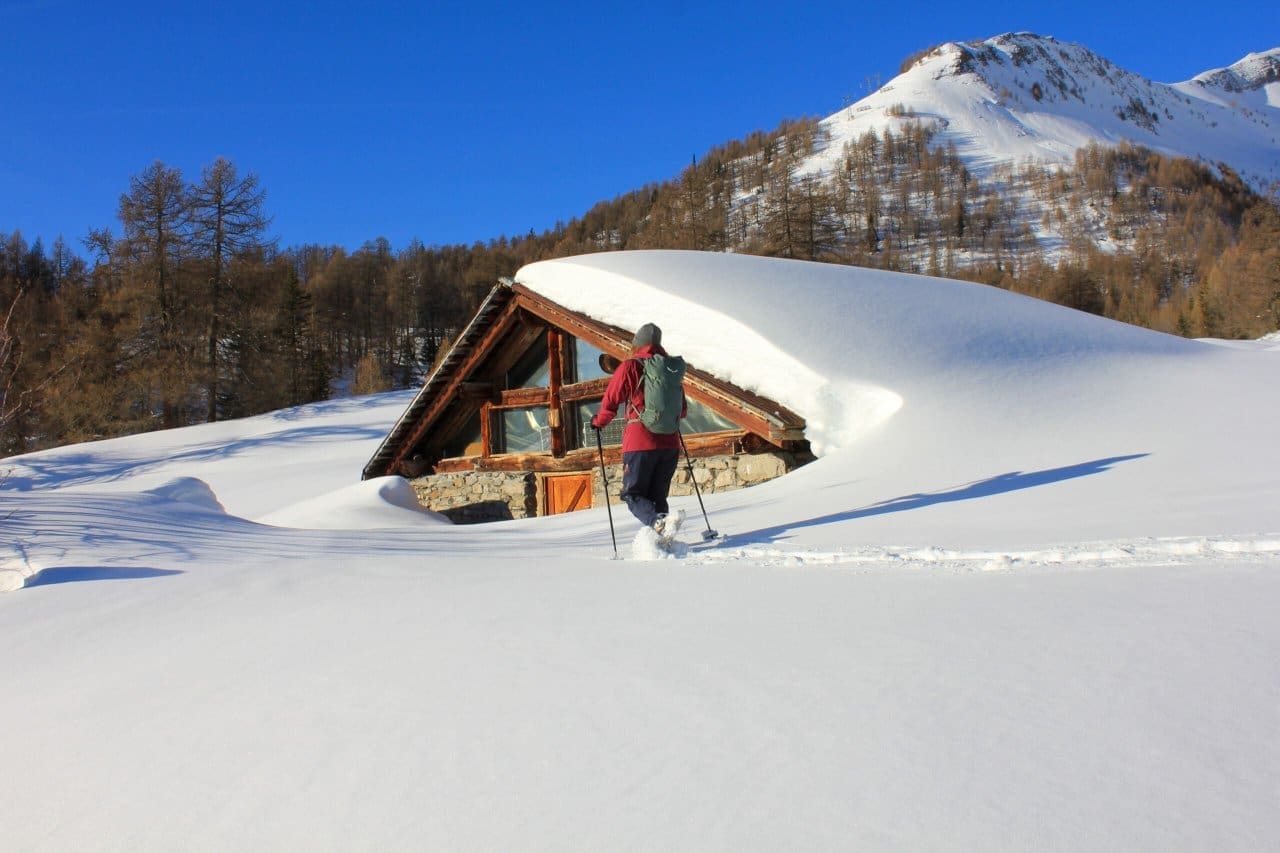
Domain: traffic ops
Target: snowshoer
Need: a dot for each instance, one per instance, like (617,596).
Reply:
(650,456)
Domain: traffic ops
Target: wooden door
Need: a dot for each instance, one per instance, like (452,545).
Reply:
(567,493)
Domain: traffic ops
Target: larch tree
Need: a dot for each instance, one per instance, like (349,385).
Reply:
(154,215)
(226,220)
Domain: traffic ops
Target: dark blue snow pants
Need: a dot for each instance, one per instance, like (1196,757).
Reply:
(646,479)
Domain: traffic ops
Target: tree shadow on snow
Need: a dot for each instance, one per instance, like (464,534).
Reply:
(62,469)
(1000,484)
(80,574)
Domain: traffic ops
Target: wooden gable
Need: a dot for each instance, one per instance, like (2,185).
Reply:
(468,387)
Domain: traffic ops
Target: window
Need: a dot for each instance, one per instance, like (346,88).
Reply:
(698,419)
(532,370)
(701,419)
(586,362)
(585,434)
(519,424)
(522,430)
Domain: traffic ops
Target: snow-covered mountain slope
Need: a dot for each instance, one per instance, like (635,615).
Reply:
(1022,96)
(1025,600)
(1253,83)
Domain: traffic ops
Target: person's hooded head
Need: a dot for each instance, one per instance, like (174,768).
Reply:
(647,335)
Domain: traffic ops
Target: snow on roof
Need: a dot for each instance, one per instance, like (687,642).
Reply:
(842,346)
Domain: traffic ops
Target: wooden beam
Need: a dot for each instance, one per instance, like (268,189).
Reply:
(592,389)
(518,462)
(477,391)
(610,339)
(555,368)
(726,443)
(520,397)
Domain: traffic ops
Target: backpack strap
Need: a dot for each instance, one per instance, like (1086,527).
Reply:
(632,411)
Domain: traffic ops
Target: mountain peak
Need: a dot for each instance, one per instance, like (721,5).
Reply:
(1249,74)
(1047,69)
(1022,95)
(955,57)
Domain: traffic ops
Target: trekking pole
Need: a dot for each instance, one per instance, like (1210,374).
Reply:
(604,477)
(708,534)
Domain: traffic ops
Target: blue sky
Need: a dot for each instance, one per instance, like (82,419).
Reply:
(456,122)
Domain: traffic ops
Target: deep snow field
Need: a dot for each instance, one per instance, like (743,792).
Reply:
(1026,599)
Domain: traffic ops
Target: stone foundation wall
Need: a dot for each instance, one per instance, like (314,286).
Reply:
(476,496)
(713,474)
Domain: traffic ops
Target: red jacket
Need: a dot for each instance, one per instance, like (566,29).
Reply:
(626,389)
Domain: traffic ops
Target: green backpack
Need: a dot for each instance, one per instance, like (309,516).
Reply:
(663,393)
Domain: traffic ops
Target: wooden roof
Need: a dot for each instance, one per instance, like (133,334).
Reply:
(500,313)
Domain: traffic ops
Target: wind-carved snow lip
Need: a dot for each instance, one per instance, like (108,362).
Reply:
(188,490)
(16,568)
(844,413)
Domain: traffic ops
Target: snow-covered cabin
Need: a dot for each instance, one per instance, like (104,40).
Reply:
(501,429)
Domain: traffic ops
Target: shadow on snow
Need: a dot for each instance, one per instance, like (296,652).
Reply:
(1000,484)
(73,468)
(80,574)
